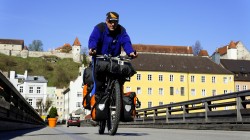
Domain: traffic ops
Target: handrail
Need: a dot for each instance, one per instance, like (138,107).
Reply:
(204,110)
(14,109)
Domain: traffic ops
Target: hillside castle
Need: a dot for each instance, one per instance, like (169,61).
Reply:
(12,47)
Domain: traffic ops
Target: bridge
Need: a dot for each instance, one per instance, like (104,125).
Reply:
(18,120)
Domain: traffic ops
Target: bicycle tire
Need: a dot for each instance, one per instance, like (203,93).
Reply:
(114,109)
(102,125)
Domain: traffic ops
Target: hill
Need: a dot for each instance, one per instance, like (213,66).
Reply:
(58,72)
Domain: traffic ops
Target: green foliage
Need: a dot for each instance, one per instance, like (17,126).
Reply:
(53,112)
(58,73)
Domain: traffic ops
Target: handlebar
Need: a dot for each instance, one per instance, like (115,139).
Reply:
(109,57)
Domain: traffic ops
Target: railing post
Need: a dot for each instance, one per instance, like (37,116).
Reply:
(184,112)
(238,108)
(155,114)
(207,109)
(167,115)
(144,115)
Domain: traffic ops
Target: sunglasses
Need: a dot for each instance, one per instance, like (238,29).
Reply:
(113,21)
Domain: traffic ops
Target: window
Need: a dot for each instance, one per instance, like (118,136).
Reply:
(203,79)
(213,79)
(21,89)
(182,91)
(30,89)
(149,77)
(237,87)
(149,104)
(160,103)
(203,92)
(244,87)
(128,89)
(30,101)
(78,104)
(171,90)
(225,91)
(138,77)
(38,89)
(225,80)
(160,77)
(192,78)
(138,90)
(193,92)
(182,78)
(149,91)
(79,94)
(161,91)
(214,92)
(171,78)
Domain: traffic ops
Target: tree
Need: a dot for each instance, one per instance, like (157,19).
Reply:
(53,112)
(48,103)
(197,48)
(85,60)
(36,45)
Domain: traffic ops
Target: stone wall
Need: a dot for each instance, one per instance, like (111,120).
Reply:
(26,53)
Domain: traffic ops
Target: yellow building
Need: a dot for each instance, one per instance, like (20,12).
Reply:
(164,79)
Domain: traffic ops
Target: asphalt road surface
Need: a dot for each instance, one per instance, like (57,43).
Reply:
(91,133)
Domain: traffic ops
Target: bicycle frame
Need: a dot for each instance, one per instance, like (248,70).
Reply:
(113,84)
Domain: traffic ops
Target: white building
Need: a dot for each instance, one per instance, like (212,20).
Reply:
(32,88)
(73,97)
(234,50)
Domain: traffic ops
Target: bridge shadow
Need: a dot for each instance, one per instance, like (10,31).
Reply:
(131,134)
(127,134)
(6,135)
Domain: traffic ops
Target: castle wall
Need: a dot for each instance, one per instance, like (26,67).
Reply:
(10,47)
(40,54)
(6,52)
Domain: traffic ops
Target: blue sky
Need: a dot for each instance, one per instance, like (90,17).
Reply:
(214,23)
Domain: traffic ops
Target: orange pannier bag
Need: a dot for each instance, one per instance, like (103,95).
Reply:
(88,101)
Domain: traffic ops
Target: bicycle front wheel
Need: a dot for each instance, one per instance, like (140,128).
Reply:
(114,108)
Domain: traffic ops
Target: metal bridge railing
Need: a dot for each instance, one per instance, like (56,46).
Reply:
(15,111)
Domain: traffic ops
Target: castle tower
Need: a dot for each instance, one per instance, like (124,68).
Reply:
(76,50)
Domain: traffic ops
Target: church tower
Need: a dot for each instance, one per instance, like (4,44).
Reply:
(76,50)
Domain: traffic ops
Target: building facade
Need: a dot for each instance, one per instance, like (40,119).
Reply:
(166,79)
(73,97)
(32,88)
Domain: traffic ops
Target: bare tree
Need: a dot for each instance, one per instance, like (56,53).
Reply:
(197,48)
(48,104)
(36,45)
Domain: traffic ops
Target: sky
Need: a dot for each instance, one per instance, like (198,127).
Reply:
(214,23)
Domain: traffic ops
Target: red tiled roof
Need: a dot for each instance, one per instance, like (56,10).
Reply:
(163,49)
(76,42)
(203,53)
(66,45)
(12,41)
(223,50)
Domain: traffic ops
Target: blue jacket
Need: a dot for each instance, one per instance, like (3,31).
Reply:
(105,42)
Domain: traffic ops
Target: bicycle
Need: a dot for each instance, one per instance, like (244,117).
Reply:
(115,77)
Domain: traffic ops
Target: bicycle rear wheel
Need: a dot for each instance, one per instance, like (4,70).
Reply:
(114,109)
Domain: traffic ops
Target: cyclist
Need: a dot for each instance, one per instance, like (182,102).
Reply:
(108,38)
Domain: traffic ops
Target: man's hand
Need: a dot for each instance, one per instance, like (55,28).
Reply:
(92,52)
(133,54)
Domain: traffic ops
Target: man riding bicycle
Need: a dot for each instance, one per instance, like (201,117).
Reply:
(107,39)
